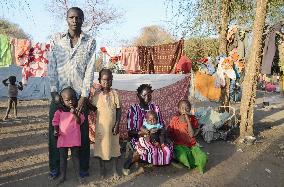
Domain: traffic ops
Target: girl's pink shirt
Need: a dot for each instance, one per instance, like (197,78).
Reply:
(69,130)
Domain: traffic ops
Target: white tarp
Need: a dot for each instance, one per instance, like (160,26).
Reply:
(39,88)
(130,82)
(36,88)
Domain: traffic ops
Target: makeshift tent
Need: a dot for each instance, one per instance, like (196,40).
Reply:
(36,88)
(168,90)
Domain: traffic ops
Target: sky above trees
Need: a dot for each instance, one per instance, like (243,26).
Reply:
(34,18)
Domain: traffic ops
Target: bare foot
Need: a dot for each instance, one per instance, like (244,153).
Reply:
(5,118)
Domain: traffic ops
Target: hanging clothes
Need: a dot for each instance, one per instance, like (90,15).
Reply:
(184,65)
(110,55)
(166,56)
(242,43)
(160,59)
(146,59)
(269,49)
(232,38)
(36,64)
(20,50)
(5,51)
(130,59)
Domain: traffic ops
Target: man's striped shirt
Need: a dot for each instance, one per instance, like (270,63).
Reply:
(72,66)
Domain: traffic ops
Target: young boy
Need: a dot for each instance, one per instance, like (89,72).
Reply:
(13,94)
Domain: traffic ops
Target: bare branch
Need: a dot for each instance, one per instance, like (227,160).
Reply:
(97,12)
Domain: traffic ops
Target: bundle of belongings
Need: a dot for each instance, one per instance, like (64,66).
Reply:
(232,67)
(211,123)
(210,77)
(269,83)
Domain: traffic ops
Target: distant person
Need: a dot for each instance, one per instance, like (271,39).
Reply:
(108,105)
(71,63)
(183,129)
(151,124)
(13,88)
(66,122)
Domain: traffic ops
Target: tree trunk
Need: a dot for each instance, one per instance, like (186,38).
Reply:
(251,72)
(225,18)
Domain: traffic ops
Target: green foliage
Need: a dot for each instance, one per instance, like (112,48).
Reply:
(275,11)
(153,35)
(12,30)
(202,17)
(196,48)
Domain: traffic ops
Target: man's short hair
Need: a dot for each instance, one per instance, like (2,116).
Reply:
(77,9)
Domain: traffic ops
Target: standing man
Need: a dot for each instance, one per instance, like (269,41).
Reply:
(71,63)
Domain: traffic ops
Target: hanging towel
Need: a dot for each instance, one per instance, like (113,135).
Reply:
(5,51)
(130,59)
(20,50)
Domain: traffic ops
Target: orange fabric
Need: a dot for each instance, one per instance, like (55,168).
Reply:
(179,131)
(205,85)
(21,49)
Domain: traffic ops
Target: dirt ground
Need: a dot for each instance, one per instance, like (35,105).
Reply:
(24,155)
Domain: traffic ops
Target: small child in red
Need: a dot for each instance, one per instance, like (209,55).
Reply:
(182,130)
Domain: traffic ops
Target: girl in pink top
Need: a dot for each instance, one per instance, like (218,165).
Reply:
(66,122)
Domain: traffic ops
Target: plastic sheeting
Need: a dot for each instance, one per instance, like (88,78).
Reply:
(130,82)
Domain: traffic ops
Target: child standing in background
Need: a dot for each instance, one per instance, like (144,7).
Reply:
(108,112)
(13,94)
(182,130)
(66,122)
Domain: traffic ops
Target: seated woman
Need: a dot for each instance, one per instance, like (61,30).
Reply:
(183,129)
(144,149)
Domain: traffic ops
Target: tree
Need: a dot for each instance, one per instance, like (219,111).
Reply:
(153,35)
(252,69)
(98,13)
(225,17)
(12,30)
(206,19)
(200,47)
(203,17)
